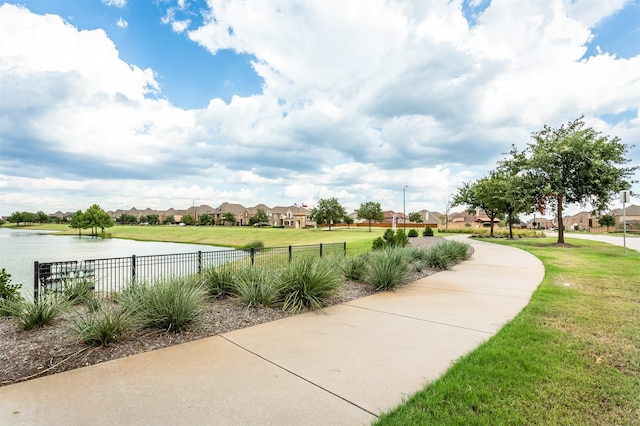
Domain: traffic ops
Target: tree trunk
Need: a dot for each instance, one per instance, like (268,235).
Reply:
(560,224)
(369,225)
(491,218)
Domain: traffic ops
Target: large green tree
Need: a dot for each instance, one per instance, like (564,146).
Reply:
(328,211)
(370,211)
(574,164)
(95,217)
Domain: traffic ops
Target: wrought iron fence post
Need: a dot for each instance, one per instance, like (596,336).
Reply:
(320,250)
(36,280)
(199,262)
(345,249)
(290,254)
(133,268)
(253,254)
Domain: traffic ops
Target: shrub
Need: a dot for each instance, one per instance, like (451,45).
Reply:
(8,290)
(379,244)
(78,290)
(355,267)
(33,314)
(428,232)
(257,286)
(391,239)
(401,239)
(219,282)
(447,254)
(412,233)
(387,268)
(308,283)
(170,304)
(255,244)
(103,326)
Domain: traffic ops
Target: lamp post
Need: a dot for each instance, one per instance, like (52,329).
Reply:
(193,207)
(404,214)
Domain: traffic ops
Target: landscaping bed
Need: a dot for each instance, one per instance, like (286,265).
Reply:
(55,348)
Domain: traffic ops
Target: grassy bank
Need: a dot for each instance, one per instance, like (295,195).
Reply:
(358,239)
(572,356)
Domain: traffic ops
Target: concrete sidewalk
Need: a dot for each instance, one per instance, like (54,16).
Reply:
(631,241)
(342,365)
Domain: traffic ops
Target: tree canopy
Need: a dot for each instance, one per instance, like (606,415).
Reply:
(482,194)
(260,217)
(573,164)
(370,211)
(328,211)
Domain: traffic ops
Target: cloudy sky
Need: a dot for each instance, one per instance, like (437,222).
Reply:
(166,103)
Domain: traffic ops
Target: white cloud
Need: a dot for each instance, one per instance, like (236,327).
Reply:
(116,3)
(121,23)
(359,99)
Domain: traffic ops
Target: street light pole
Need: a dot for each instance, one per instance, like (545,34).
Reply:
(404,214)
(193,207)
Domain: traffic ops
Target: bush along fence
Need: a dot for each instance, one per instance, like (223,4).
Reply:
(112,275)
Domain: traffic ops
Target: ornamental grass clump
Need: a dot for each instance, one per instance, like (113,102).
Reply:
(170,304)
(355,267)
(104,325)
(257,286)
(387,268)
(309,283)
(78,290)
(32,314)
(447,254)
(219,282)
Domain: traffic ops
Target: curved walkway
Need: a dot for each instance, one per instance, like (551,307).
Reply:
(632,242)
(341,365)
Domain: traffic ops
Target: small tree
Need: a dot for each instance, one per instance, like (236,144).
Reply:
(229,217)
(480,195)
(78,222)
(328,211)
(127,219)
(205,219)
(259,217)
(370,211)
(169,220)
(187,219)
(95,217)
(153,219)
(349,221)
(607,220)
(415,217)
(43,217)
(16,217)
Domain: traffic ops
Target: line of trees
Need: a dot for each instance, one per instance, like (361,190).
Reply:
(28,218)
(568,165)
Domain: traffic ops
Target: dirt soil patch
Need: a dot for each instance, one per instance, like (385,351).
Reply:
(51,349)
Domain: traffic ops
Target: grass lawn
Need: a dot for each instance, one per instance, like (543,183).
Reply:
(571,357)
(358,239)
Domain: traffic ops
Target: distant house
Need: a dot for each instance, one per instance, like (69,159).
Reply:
(478,219)
(579,221)
(631,213)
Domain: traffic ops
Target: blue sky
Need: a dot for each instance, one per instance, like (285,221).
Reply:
(131,103)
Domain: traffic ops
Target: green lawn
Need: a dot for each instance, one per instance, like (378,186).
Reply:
(571,357)
(357,239)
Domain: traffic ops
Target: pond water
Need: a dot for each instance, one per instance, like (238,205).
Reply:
(20,248)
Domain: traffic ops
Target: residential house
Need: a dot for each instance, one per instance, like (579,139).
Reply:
(631,214)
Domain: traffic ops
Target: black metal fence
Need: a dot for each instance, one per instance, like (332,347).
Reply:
(114,274)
